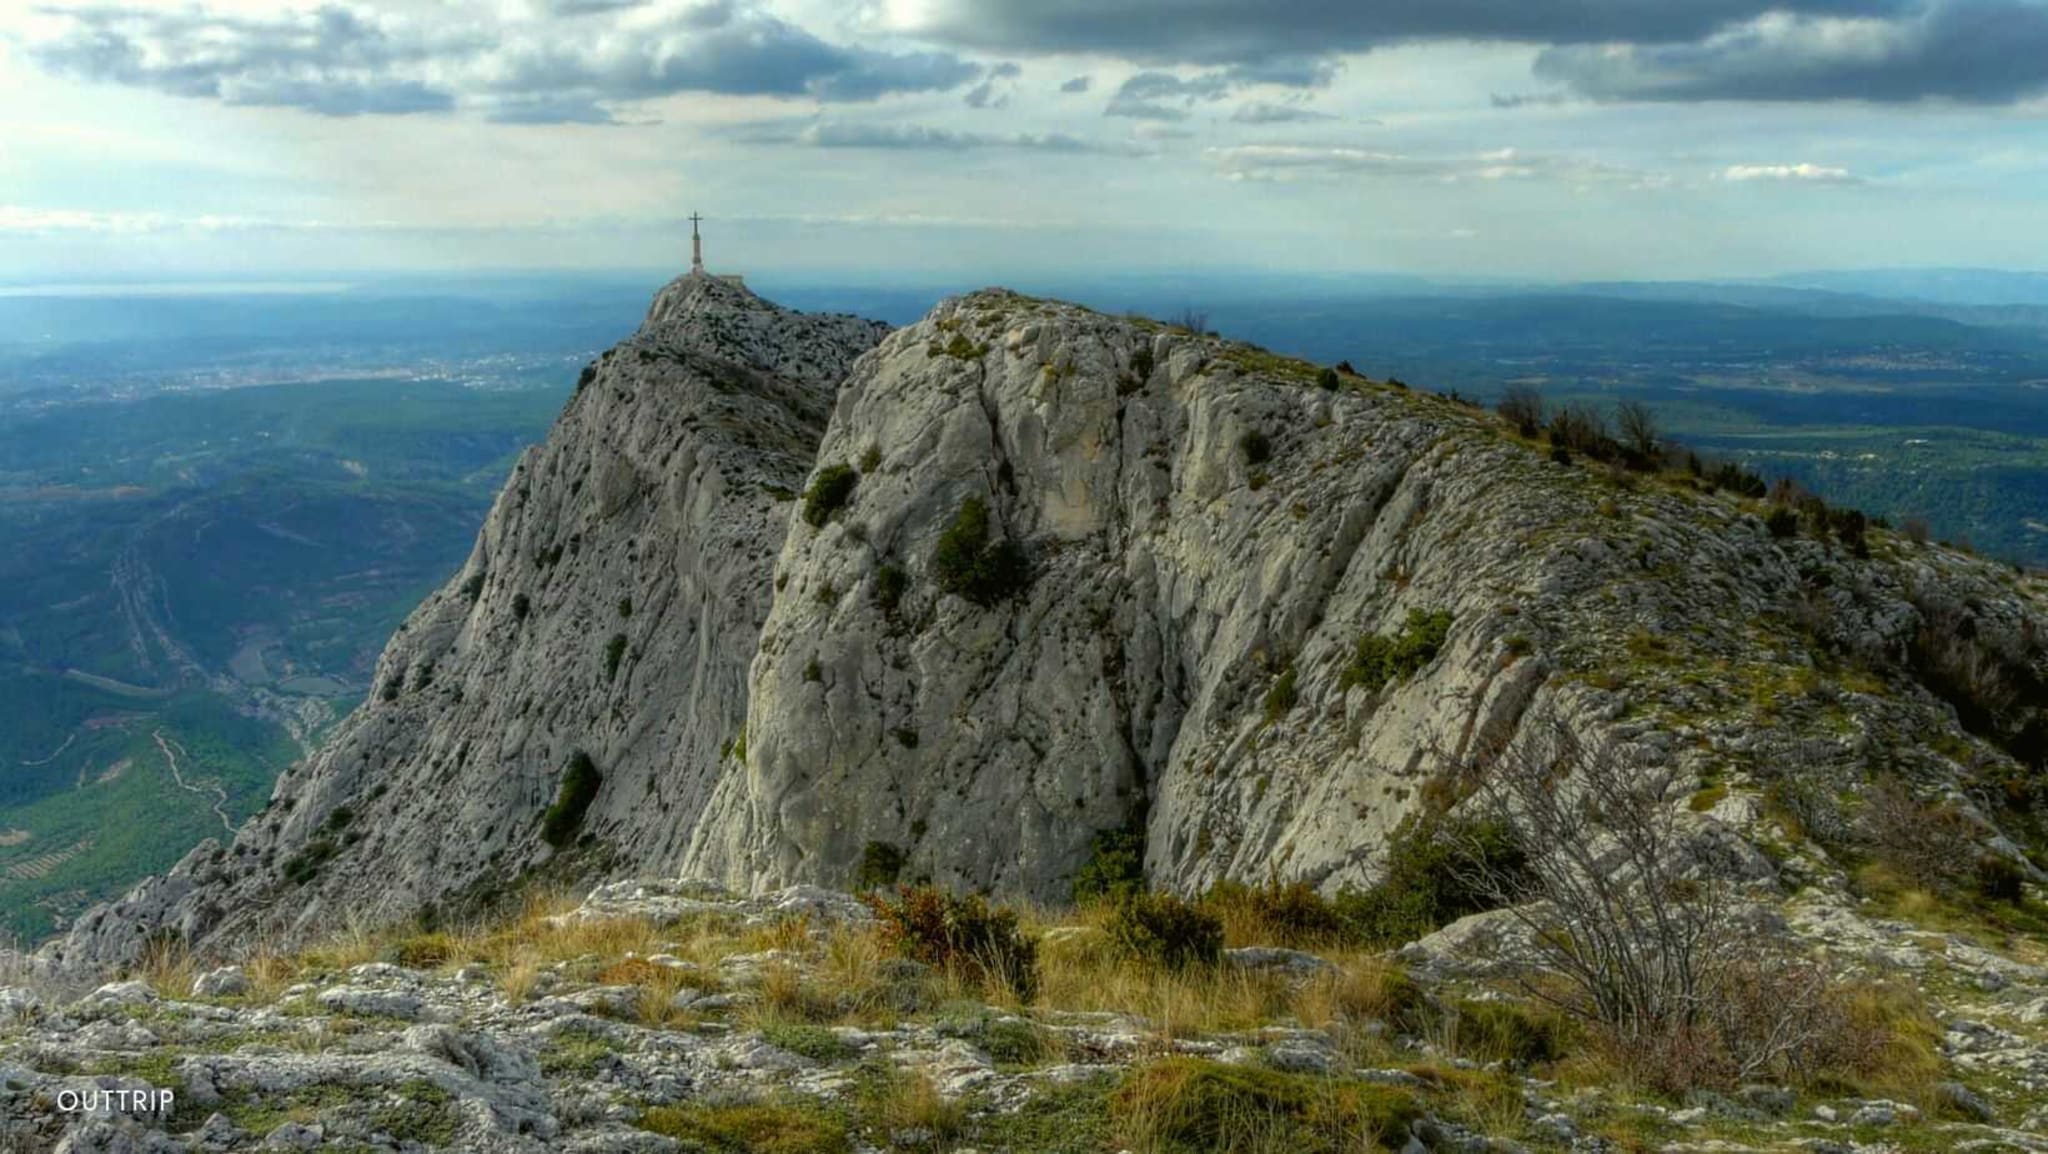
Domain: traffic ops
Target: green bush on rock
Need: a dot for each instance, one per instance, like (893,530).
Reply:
(968,564)
(580,782)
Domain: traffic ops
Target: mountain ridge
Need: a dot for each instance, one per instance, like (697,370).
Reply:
(1203,523)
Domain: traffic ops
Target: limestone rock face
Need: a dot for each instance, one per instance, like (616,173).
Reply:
(1074,574)
(610,606)
(1210,531)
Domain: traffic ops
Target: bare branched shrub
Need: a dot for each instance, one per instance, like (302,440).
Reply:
(1631,932)
(1581,429)
(1932,846)
(1637,426)
(1522,407)
(1608,909)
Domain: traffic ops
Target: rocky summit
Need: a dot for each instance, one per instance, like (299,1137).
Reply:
(1273,757)
(610,607)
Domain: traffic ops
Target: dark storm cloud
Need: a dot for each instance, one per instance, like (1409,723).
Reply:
(994,91)
(1972,51)
(1239,31)
(337,60)
(1077,84)
(1977,51)
(1164,96)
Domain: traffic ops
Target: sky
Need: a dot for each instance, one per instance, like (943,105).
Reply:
(903,140)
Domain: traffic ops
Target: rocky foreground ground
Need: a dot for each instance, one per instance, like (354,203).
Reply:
(666,1016)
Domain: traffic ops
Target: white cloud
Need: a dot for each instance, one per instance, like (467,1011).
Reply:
(1789,173)
(925,138)
(19,219)
(1286,162)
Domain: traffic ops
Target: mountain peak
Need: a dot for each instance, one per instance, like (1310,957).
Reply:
(697,292)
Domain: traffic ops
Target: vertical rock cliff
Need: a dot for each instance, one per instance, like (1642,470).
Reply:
(609,609)
(1192,569)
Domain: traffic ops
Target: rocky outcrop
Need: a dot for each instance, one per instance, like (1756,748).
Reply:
(1209,532)
(1033,574)
(610,607)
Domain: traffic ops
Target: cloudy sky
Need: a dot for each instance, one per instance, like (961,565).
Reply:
(900,139)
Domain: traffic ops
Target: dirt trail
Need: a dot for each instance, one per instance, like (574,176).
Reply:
(220,795)
(68,739)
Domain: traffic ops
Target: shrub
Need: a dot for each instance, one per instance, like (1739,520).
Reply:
(968,564)
(814,1042)
(830,490)
(1326,380)
(625,607)
(614,652)
(1999,879)
(1431,878)
(1522,407)
(1919,842)
(1656,962)
(1504,1031)
(1850,526)
(1583,431)
(1192,1105)
(890,584)
(580,782)
(1115,868)
(960,348)
(1257,448)
(965,934)
(473,587)
(1141,363)
(1280,699)
(1275,914)
(871,459)
(750,1128)
(1164,930)
(1916,530)
(1380,659)
(305,865)
(422,951)
(881,863)
(1736,479)
(1783,523)
(1997,679)
(1640,437)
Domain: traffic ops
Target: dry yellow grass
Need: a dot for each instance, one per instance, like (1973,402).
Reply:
(168,968)
(911,1102)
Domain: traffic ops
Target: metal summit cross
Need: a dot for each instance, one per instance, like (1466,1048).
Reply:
(696,245)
